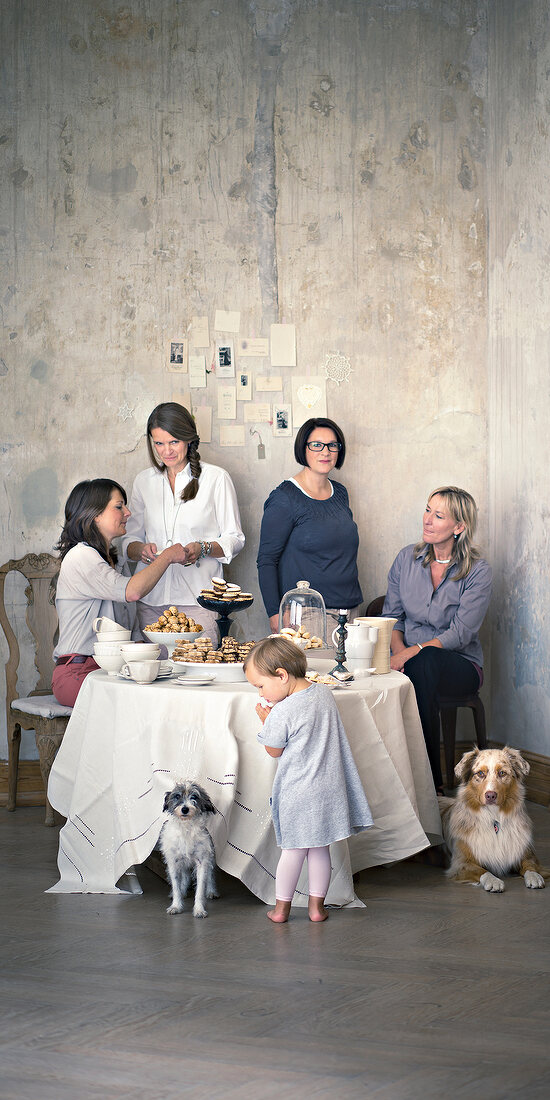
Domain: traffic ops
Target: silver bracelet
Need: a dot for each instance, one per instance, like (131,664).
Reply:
(419,646)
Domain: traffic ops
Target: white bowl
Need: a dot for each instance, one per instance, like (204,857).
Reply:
(170,640)
(114,636)
(111,663)
(107,649)
(224,674)
(140,651)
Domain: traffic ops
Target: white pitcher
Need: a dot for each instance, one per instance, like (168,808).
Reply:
(360,640)
(381,656)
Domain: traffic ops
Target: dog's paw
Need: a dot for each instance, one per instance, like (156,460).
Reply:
(533,880)
(173,909)
(199,911)
(212,894)
(491,882)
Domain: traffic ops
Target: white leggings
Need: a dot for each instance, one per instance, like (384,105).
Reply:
(290,865)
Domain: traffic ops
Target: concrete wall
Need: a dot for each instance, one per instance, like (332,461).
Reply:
(519,378)
(308,161)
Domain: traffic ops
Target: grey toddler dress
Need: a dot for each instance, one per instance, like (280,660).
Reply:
(317,795)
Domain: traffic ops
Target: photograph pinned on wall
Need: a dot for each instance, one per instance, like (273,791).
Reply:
(225,359)
(177,356)
(282,420)
(244,386)
(309,397)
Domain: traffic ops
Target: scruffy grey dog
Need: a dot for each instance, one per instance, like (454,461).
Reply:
(187,846)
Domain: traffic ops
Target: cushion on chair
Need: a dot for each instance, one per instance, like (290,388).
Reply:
(46,706)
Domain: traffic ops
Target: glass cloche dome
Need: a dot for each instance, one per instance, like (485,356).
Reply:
(303,610)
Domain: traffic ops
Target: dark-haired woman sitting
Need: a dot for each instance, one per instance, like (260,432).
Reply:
(89,584)
(308,531)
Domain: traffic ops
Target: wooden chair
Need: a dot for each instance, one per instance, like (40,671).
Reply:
(40,710)
(448,706)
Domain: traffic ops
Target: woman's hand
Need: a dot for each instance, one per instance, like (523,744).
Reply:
(148,552)
(194,550)
(274,623)
(399,660)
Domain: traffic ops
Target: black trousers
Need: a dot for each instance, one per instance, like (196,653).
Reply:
(438,672)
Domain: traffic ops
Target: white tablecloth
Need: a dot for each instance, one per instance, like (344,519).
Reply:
(126,744)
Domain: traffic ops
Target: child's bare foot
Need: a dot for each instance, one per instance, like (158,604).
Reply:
(316,909)
(280,913)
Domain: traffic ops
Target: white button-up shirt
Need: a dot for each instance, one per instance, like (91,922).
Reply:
(161,517)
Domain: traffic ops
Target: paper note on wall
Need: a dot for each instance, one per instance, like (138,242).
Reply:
(253,346)
(309,398)
(197,371)
(257,413)
(227,403)
(283,345)
(203,420)
(269,382)
(199,337)
(227,320)
(181,397)
(231,435)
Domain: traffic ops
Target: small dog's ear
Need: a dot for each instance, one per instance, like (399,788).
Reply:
(465,766)
(167,800)
(519,766)
(209,807)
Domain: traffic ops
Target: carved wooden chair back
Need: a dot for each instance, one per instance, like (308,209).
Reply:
(39,710)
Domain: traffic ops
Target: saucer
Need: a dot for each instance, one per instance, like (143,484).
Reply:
(194,681)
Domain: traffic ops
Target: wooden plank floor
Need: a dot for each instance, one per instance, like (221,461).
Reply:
(433,990)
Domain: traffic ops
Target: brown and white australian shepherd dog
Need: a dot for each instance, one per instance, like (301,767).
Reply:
(486,827)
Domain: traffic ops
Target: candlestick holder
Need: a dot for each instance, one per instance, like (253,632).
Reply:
(340,672)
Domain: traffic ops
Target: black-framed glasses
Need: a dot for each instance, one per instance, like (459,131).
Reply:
(316,445)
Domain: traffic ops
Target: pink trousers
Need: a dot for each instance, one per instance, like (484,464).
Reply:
(67,680)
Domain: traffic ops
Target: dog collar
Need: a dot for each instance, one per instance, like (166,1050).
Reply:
(496,826)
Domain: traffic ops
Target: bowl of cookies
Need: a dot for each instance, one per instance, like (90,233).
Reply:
(171,627)
(226,663)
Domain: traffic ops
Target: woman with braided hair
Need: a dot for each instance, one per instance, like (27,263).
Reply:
(181,499)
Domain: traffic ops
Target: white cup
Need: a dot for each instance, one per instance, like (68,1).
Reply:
(104,623)
(143,672)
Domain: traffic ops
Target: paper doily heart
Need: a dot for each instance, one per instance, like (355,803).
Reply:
(309,395)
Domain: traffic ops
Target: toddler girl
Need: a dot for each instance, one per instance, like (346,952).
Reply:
(317,796)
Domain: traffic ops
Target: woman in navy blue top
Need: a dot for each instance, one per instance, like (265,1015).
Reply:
(308,531)
(439,591)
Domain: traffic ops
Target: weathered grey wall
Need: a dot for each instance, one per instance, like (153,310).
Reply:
(313,161)
(519,345)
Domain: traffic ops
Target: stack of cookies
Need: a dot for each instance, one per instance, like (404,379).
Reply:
(201,651)
(196,651)
(302,638)
(173,621)
(225,592)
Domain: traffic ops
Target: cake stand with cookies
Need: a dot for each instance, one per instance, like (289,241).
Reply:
(225,599)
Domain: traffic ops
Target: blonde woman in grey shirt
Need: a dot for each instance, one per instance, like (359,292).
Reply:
(439,591)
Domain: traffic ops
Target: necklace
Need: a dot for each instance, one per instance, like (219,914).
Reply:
(442,561)
(169,541)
